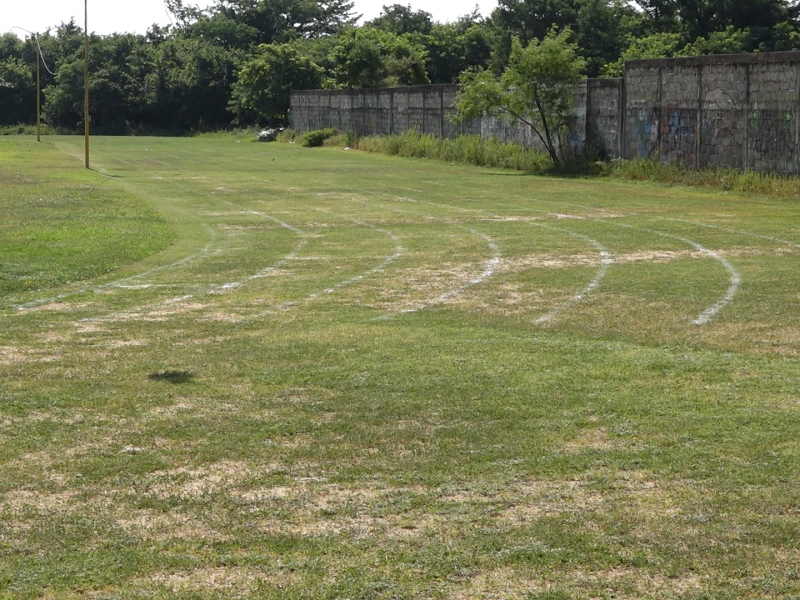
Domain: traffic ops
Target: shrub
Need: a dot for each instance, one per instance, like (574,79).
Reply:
(287,135)
(721,179)
(313,139)
(341,140)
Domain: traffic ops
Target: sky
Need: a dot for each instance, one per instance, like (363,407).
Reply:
(109,16)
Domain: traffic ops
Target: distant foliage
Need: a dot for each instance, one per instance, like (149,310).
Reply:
(265,80)
(235,61)
(368,57)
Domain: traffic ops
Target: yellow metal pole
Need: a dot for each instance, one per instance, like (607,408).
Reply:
(38,94)
(86,81)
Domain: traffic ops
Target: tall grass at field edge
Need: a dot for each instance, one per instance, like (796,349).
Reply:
(473,150)
(729,180)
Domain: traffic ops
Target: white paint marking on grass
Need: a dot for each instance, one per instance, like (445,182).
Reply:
(274,266)
(735,278)
(399,251)
(489,268)
(606,260)
(121,283)
(737,231)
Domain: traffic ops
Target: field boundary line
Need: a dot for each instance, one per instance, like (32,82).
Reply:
(735,278)
(606,257)
(120,283)
(399,251)
(213,289)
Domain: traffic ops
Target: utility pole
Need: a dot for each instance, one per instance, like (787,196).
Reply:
(38,94)
(86,81)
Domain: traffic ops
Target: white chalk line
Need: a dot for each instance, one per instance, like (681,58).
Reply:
(735,278)
(606,260)
(736,231)
(399,251)
(488,270)
(215,289)
(120,283)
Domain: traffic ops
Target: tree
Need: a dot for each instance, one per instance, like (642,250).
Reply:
(266,79)
(658,45)
(535,89)
(453,49)
(368,57)
(275,21)
(399,19)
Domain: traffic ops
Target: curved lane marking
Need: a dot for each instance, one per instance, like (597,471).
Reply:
(735,278)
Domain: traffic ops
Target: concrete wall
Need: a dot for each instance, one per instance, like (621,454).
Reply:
(740,111)
(379,111)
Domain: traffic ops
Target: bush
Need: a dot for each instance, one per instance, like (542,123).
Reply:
(287,135)
(21,129)
(313,139)
(342,140)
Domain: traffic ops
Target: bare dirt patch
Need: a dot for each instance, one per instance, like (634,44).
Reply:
(624,583)
(231,582)
(589,439)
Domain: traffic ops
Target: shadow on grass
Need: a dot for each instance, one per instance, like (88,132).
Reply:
(171,376)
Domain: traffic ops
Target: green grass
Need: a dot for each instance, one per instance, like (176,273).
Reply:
(336,383)
(61,224)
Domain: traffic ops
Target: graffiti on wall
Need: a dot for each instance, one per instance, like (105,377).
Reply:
(645,133)
(679,135)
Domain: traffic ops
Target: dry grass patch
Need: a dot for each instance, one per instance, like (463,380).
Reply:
(165,526)
(590,439)
(231,582)
(187,483)
(623,583)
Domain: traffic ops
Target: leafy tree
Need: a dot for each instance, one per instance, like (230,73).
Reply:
(244,23)
(535,89)
(452,50)
(657,45)
(368,57)
(600,27)
(17,91)
(730,41)
(399,19)
(265,80)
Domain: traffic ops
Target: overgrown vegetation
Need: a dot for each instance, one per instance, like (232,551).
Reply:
(315,138)
(465,149)
(729,180)
(472,150)
(535,89)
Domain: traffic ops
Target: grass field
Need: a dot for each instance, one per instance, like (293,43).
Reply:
(254,370)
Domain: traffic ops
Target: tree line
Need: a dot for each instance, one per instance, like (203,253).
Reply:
(234,63)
